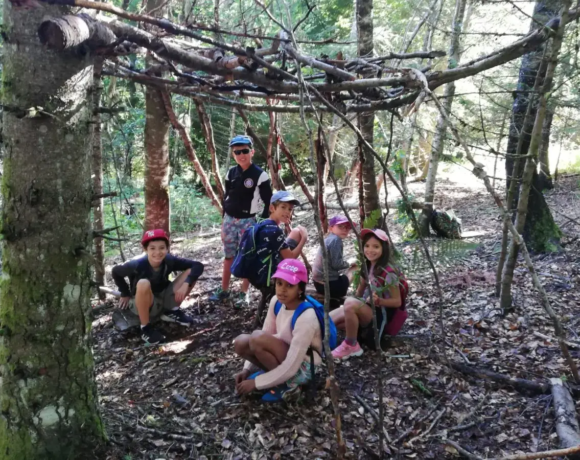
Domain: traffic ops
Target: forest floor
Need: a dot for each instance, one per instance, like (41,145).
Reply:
(177,401)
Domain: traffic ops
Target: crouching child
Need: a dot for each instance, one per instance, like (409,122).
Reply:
(150,294)
(281,356)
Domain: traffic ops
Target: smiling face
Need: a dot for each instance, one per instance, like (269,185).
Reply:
(373,249)
(341,230)
(156,252)
(287,293)
(243,159)
(281,212)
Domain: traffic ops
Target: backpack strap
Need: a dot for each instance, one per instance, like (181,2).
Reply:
(277,308)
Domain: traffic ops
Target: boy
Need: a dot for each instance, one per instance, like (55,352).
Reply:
(150,294)
(270,239)
(246,186)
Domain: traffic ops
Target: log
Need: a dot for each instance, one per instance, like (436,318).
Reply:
(70,31)
(565,414)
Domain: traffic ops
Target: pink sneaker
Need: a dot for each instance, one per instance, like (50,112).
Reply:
(345,351)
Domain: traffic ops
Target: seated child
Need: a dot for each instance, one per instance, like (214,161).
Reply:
(339,229)
(384,285)
(279,350)
(149,293)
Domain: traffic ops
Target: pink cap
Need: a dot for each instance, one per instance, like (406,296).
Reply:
(380,234)
(292,271)
(338,220)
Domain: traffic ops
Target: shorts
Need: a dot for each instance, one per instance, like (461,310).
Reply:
(304,375)
(232,231)
(162,301)
(338,290)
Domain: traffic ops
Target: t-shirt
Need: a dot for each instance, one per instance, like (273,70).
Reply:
(383,283)
(270,239)
(245,191)
(336,262)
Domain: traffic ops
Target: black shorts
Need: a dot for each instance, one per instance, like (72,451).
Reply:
(338,290)
(366,334)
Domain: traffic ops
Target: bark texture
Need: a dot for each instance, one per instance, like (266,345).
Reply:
(565,415)
(47,393)
(157,205)
(439,138)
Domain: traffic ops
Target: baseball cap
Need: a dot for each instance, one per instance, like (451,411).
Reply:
(292,271)
(157,234)
(241,140)
(284,196)
(337,220)
(380,234)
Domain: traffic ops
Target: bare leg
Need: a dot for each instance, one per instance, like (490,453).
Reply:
(270,351)
(337,317)
(143,300)
(227,273)
(242,348)
(245,286)
(355,313)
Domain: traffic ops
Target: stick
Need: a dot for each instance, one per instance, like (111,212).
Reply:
(374,414)
(435,421)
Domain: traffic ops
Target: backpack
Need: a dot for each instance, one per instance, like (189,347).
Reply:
(446,224)
(394,325)
(332,339)
(248,264)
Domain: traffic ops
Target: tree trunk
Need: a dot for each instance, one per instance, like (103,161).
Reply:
(439,138)
(540,234)
(157,205)
(530,174)
(207,129)
(545,177)
(98,218)
(364,18)
(48,393)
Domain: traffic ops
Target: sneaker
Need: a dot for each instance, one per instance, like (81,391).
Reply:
(151,335)
(255,374)
(219,295)
(345,351)
(241,300)
(282,393)
(177,316)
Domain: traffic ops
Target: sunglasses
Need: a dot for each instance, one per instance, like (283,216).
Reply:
(244,151)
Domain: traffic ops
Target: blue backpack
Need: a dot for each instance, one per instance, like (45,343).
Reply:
(254,263)
(319,310)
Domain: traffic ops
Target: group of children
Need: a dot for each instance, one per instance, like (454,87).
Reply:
(276,357)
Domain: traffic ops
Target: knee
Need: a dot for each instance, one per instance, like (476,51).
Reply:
(295,235)
(256,340)
(143,286)
(350,306)
(242,344)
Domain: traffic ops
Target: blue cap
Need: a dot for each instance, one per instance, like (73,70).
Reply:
(241,140)
(284,196)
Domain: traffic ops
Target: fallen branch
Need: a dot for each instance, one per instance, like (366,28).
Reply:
(565,415)
(374,415)
(435,421)
(528,456)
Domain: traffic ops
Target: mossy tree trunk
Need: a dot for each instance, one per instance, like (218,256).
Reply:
(47,392)
(157,206)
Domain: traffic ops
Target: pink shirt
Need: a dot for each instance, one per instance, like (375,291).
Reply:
(306,333)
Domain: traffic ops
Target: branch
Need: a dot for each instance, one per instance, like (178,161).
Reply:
(70,31)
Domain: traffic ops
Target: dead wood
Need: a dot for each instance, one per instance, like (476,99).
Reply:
(528,456)
(565,414)
(70,31)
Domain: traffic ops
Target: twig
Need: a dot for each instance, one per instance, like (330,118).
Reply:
(409,430)
(435,421)
(465,358)
(373,413)
(462,451)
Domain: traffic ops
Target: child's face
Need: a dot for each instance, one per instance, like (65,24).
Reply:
(287,292)
(156,251)
(281,212)
(341,230)
(373,249)
(243,159)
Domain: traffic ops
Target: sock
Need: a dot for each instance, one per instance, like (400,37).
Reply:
(143,326)
(349,341)
(174,309)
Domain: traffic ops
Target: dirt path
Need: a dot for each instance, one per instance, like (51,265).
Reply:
(178,401)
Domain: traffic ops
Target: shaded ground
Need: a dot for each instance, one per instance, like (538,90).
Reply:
(178,401)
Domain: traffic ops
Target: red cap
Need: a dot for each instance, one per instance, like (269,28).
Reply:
(380,234)
(157,234)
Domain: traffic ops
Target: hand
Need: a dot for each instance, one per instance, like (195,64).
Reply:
(181,293)
(241,376)
(246,386)
(124,302)
(376,300)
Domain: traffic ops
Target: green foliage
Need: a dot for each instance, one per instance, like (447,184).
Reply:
(190,208)
(403,217)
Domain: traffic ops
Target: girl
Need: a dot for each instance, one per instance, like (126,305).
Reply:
(339,283)
(383,285)
(279,351)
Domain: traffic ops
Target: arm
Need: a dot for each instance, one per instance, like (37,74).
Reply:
(288,253)
(394,300)
(120,272)
(361,287)
(336,256)
(304,331)
(180,264)
(227,188)
(265,188)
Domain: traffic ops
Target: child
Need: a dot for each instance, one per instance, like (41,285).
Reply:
(339,228)
(383,285)
(279,350)
(246,186)
(150,294)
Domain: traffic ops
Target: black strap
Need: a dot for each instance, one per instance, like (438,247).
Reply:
(312,373)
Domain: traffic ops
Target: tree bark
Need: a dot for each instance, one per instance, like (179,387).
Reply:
(565,415)
(156,138)
(364,18)
(439,138)
(545,177)
(540,232)
(98,218)
(47,392)
(270,157)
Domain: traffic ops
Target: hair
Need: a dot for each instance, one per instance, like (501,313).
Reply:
(302,287)
(386,256)
(146,245)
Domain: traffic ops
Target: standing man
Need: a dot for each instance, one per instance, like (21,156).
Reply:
(246,187)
